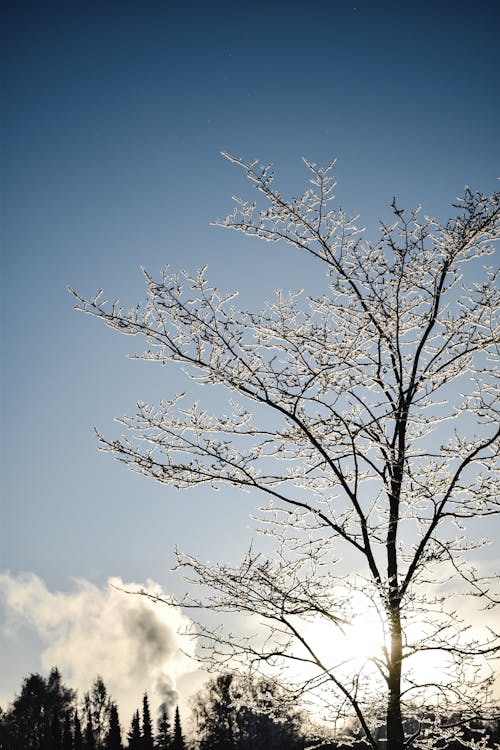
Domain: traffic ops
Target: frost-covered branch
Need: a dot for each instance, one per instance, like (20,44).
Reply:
(367,417)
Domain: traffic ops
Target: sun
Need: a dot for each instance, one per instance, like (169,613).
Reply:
(361,640)
(365,638)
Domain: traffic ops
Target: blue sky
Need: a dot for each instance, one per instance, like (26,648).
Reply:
(114,116)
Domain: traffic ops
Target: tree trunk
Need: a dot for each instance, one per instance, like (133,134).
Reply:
(395,732)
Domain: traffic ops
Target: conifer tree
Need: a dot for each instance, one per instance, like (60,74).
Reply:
(98,704)
(147,731)
(89,742)
(55,732)
(114,736)
(164,737)
(134,734)
(77,736)
(67,736)
(178,743)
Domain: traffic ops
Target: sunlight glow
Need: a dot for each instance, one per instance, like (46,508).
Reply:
(362,639)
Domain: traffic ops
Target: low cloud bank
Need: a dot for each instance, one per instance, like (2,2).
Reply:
(134,644)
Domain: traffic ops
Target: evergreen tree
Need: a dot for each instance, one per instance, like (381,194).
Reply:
(163,737)
(114,736)
(58,693)
(147,731)
(89,737)
(98,704)
(4,731)
(55,732)
(178,743)
(77,737)
(134,734)
(67,736)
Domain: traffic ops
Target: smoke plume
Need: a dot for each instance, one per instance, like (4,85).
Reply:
(132,643)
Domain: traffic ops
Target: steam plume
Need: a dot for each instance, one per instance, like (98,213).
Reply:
(131,642)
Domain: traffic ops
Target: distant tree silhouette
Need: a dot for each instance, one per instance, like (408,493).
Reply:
(147,730)
(215,713)
(4,732)
(55,741)
(178,740)
(134,737)
(67,734)
(163,737)
(77,736)
(89,742)
(34,719)
(232,713)
(98,704)
(114,736)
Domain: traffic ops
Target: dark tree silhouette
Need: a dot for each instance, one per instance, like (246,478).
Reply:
(147,730)
(89,742)
(178,739)
(34,719)
(134,736)
(163,736)
(4,729)
(55,741)
(235,713)
(67,735)
(97,704)
(216,714)
(77,736)
(114,736)
(230,713)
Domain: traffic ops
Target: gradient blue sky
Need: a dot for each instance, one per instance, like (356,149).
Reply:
(114,115)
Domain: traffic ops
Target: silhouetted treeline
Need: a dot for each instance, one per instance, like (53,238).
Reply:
(46,716)
(228,713)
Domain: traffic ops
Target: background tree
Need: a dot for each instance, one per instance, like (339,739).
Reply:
(233,713)
(89,742)
(178,738)
(215,714)
(34,719)
(163,736)
(134,737)
(67,736)
(147,731)
(3,728)
(114,736)
(97,704)
(77,736)
(55,736)
(366,415)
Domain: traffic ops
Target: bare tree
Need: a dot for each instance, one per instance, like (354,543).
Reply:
(366,415)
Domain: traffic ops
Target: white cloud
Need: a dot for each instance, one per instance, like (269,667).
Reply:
(133,643)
